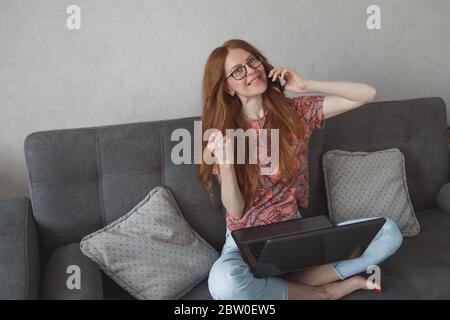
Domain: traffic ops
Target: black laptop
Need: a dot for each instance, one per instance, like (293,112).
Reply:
(288,246)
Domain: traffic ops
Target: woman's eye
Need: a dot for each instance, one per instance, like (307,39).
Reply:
(237,72)
(253,61)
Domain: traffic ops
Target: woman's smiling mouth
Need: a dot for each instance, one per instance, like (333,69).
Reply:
(255,81)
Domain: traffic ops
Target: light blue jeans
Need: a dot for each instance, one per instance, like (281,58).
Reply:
(230,277)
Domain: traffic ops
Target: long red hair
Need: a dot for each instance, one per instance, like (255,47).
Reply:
(222,111)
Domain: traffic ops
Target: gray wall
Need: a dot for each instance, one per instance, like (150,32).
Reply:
(143,60)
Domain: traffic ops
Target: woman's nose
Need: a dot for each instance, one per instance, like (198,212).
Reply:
(251,73)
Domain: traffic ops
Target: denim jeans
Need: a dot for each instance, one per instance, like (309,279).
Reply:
(230,277)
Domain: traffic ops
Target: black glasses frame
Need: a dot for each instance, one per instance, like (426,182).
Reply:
(245,67)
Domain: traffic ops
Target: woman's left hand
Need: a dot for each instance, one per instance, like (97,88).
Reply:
(294,81)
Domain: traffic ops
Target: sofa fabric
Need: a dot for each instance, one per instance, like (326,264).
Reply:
(19,251)
(420,269)
(82,179)
(369,184)
(417,127)
(151,251)
(70,275)
(443,198)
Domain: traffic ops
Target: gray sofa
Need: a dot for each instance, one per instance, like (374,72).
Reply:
(82,179)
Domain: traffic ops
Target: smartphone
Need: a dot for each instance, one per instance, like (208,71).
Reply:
(275,84)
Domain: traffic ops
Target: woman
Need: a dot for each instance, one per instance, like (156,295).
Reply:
(241,89)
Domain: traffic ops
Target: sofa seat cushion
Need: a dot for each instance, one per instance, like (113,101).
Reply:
(112,291)
(70,275)
(420,269)
(200,292)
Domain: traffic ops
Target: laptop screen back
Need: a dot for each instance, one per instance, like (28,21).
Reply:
(290,253)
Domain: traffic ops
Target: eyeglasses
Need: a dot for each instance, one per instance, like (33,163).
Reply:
(241,72)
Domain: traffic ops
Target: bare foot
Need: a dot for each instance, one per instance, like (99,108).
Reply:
(339,289)
(368,285)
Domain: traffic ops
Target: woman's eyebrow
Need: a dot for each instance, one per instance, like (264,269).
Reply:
(245,61)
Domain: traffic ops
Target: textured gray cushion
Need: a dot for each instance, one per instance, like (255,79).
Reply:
(367,184)
(152,252)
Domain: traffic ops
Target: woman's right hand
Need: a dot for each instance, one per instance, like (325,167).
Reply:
(221,148)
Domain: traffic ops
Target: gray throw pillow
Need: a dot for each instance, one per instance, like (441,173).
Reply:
(368,184)
(152,252)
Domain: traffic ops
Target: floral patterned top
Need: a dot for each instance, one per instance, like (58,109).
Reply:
(277,200)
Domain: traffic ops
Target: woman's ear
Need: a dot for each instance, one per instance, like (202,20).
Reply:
(230,92)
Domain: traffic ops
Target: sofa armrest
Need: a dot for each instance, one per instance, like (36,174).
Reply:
(19,250)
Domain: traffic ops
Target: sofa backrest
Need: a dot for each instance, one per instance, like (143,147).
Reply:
(82,179)
(418,127)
